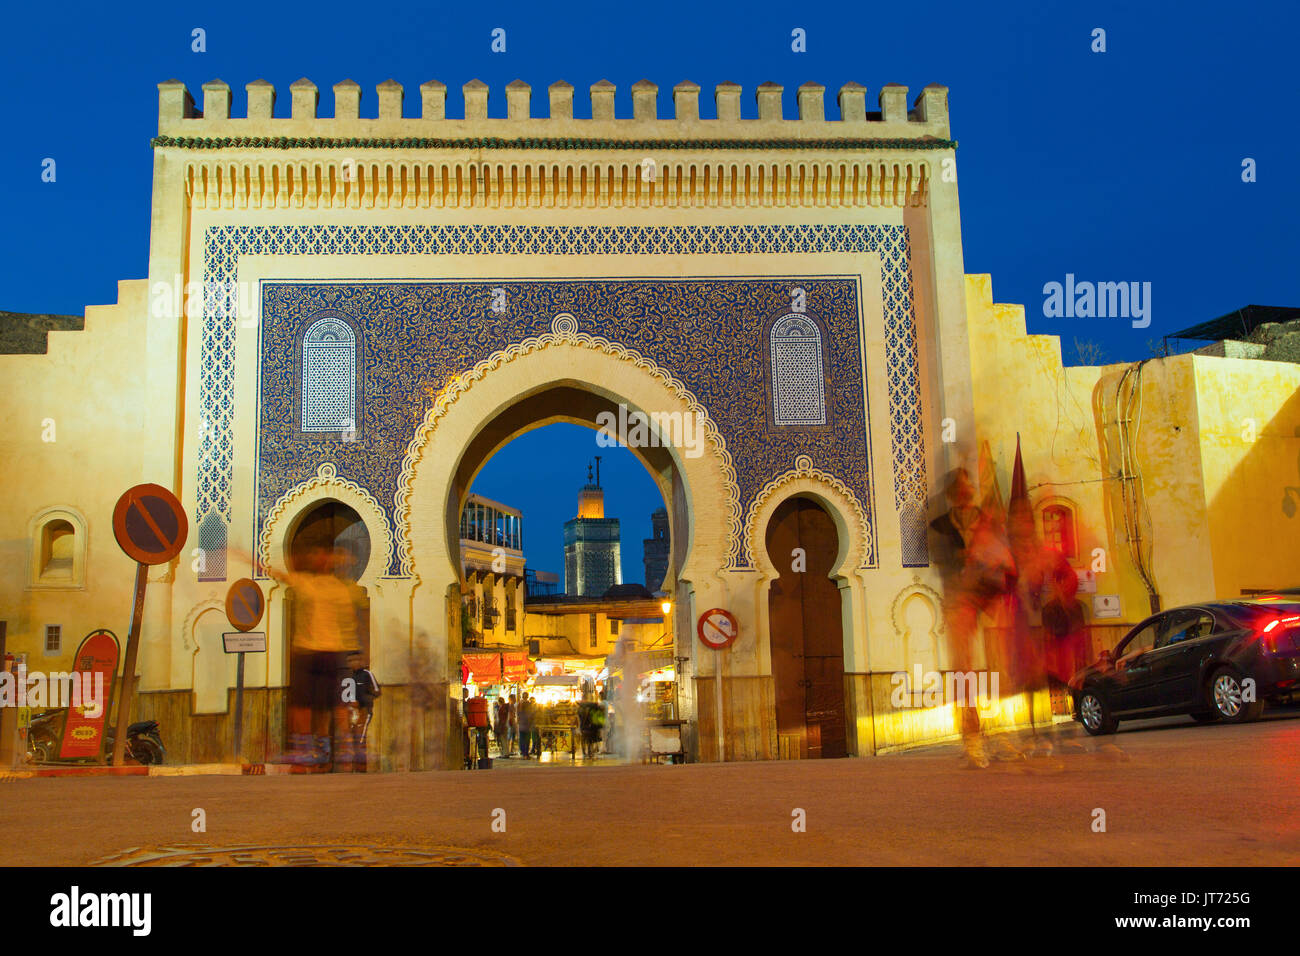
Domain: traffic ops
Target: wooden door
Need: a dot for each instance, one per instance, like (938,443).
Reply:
(805,624)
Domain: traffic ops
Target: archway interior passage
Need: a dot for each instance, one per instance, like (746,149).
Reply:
(537,479)
(532,458)
(551,558)
(805,622)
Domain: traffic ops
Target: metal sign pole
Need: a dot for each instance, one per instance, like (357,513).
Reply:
(717,679)
(128,674)
(239,708)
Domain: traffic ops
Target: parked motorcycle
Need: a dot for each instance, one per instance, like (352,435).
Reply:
(143,740)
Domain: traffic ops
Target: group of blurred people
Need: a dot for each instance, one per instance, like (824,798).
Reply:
(993,565)
(516,726)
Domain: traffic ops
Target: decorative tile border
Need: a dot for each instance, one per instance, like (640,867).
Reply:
(223,245)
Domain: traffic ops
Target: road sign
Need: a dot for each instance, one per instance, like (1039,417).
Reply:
(244,604)
(150,524)
(718,628)
(244,642)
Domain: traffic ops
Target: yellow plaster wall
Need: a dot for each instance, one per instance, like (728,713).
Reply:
(90,384)
(1249,413)
(1021,385)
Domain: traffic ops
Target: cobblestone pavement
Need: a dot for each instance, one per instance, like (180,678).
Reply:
(1173,793)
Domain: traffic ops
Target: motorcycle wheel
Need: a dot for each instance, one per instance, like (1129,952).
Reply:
(147,752)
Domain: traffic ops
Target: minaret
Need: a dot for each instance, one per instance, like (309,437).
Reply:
(591,499)
(592,563)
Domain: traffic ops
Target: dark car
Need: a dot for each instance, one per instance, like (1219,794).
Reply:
(1198,660)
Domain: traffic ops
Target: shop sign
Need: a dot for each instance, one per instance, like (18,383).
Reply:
(83,736)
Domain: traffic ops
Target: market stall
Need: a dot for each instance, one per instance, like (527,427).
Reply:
(557,696)
(493,676)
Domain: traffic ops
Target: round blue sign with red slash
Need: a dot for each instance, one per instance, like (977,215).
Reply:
(150,524)
(718,628)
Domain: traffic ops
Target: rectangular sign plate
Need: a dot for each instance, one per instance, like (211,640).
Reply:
(244,642)
(1105,605)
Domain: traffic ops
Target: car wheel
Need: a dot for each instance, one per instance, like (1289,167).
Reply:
(1207,718)
(1095,715)
(1226,693)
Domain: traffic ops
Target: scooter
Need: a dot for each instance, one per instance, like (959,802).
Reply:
(143,740)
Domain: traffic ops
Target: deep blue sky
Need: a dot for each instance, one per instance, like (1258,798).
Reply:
(1122,166)
(540,473)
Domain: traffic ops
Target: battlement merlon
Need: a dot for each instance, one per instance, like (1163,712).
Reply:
(924,126)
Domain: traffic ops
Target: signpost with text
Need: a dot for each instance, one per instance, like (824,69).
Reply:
(244,608)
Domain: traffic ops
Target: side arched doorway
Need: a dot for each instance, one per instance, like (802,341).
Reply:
(333,527)
(807,636)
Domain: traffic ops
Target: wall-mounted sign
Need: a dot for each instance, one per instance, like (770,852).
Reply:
(1105,605)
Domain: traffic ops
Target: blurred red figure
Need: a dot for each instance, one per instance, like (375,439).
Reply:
(1022,656)
(977,570)
(1064,624)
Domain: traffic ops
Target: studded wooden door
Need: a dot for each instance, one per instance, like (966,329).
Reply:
(804,617)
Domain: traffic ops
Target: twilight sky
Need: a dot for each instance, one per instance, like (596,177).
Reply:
(1117,166)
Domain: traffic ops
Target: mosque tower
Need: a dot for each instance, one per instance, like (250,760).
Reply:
(592,562)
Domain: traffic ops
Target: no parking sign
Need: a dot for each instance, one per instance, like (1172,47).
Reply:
(718,628)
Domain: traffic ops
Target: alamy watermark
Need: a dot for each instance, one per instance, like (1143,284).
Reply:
(1099,300)
(977,689)
(628,429)
(80,689)
(131,911)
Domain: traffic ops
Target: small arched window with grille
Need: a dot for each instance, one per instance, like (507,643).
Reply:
(212,548)
(1059,530)
(798,371)
(329,377)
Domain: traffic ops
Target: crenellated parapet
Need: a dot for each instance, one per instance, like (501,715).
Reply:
(385,158)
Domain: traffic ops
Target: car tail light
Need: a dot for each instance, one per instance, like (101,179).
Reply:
(1281,634)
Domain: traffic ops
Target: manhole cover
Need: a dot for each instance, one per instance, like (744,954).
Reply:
(193,854)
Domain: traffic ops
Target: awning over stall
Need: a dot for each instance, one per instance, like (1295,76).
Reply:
(512,666)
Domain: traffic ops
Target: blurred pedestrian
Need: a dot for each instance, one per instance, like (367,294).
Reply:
(324,632)
(362,708)
(591,723)
(975,566)
(525,726)
(501,725)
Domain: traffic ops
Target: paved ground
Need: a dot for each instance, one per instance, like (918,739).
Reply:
(1216,795)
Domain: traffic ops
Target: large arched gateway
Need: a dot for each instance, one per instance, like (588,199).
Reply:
(776,298)
(564,376)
